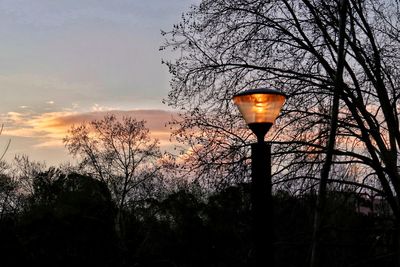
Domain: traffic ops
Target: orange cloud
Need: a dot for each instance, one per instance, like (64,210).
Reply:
(50,128)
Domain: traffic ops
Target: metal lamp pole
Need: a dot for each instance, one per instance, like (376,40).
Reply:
(261,198)
(260,107)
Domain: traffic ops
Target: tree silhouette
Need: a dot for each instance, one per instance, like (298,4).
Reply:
(122,154)
(226,47)
(70,221)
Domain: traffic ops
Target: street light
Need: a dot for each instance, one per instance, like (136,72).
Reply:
(260,108)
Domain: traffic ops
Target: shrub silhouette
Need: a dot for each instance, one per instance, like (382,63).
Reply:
(70,221)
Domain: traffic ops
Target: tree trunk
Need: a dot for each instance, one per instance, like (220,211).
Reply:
(322,190)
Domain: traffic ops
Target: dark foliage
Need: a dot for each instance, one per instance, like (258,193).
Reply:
(70,221)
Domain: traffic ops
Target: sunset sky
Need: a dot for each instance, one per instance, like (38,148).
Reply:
(67,61)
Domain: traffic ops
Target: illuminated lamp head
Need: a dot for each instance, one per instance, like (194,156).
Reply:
(260,108)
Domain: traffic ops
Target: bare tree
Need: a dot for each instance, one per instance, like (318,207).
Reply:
(326,167)
(228,46)
(118,152)
(7,196)
(7,185)
(214,153)
(24,171)
(7,146)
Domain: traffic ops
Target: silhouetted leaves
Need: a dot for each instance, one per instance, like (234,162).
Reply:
(70,221)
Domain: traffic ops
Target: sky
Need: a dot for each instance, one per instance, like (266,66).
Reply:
(68,61)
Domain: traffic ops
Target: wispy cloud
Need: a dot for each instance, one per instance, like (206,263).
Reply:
(98,108)
(50,128)
(37,92)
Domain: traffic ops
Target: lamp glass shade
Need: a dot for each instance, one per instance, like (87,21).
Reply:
(260,106)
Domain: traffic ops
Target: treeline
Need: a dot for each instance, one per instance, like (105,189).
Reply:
(71,219)
(127,204)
